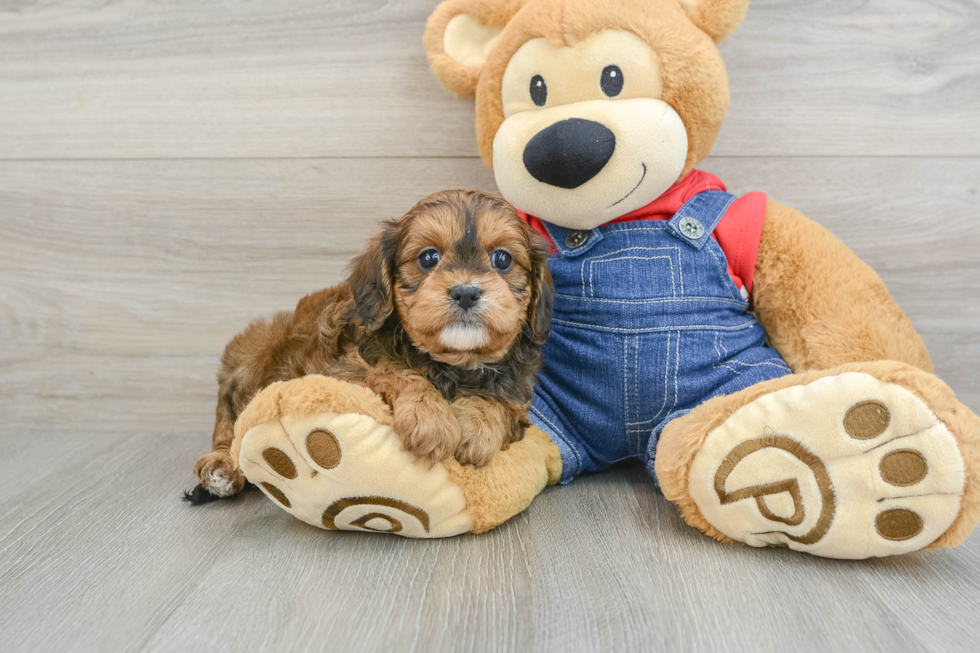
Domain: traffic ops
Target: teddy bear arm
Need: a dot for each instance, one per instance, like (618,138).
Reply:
(820,304)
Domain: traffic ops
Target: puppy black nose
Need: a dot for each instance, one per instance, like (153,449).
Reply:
(569,153)
(466,296)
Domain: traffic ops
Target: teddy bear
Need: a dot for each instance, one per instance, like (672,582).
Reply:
(775,391)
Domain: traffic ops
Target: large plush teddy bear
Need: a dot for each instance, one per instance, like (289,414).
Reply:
(814,422)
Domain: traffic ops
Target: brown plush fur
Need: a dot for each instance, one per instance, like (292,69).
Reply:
(381,329)
(695,82)
(717,18)
(507,485)
(683,438)
(821,305)
(460,79)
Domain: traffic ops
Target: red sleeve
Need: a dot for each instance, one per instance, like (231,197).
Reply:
(739,234)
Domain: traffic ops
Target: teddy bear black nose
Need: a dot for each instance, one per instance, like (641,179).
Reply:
(569,153)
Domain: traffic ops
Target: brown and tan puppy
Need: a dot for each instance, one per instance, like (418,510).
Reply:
(443,316)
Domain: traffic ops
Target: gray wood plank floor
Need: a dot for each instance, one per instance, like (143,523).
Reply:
(169,170)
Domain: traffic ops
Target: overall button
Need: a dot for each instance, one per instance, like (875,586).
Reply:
(691,227)
(576,238)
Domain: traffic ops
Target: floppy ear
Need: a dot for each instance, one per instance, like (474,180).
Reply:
(717,18)
(542,290)
(459,37)
(370,280)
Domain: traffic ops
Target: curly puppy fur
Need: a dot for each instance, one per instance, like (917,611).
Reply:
(457,374)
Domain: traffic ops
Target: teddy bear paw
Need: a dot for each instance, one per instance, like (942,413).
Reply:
(343,470)
(848,466)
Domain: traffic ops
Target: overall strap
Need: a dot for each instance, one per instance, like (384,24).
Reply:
(572,242)
(697,219)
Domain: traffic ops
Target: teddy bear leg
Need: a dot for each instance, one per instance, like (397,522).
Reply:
(323,451)
(864,460)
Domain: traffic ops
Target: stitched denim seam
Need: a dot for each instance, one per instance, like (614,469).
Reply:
(616,231)
(651,301)
(727,364)
(636,375)
(631,249)
(673,284)
(677,366)
(626,390)
(561,435)
(657,329)
(779,365)
(726,278)
(666,377)
(628,249)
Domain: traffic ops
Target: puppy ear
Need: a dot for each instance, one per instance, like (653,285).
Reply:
(717,18)
(370,279)
(459,37)
(542,290)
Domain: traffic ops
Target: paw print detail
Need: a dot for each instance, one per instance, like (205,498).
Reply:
(347,471)
(847,466)
(341,512)
(903,467)
(279,462)
(323,448)
(275,493)
(789,486)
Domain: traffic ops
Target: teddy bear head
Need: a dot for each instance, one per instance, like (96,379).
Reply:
(587,109)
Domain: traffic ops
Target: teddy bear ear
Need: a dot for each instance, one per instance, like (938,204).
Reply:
(717,18)
(459,37)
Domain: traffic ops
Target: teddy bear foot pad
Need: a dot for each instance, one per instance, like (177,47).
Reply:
(347,471)
(847,466)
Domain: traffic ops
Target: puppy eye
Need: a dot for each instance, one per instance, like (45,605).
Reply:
(501,260)
(611,81)
(539,90)
(429,258)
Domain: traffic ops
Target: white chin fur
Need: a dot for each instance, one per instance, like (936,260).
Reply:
(463,337)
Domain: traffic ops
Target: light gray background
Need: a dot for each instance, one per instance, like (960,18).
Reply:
(169,170)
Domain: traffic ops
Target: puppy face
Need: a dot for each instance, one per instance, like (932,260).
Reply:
(465,275)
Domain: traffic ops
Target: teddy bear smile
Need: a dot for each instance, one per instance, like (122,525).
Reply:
(642,177)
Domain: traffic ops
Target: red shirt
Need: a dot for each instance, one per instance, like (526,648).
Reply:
(738,233)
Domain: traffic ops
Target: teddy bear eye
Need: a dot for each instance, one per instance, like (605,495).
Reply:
(611,81)
(539,90)
(429,258)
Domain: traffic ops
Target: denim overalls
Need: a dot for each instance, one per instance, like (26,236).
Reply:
(647,325)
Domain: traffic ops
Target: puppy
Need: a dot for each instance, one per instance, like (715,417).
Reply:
(443,316)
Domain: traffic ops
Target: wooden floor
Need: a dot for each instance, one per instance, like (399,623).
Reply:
(169,170)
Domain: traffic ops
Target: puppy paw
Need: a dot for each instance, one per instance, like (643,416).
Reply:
(486,430)
(219,475)
(426,425)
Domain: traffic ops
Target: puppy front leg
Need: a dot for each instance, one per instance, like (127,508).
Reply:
(421,417)
(217,471)
(488,427)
